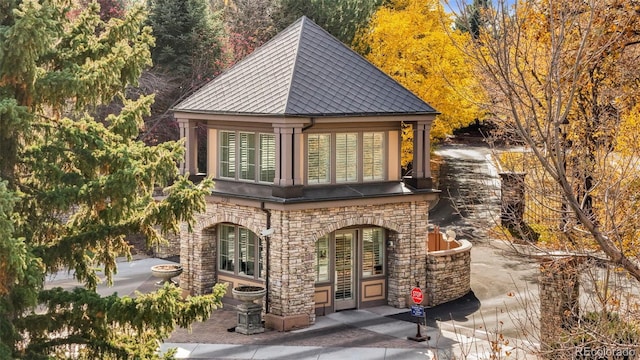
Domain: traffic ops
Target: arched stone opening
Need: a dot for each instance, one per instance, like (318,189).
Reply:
(351,267)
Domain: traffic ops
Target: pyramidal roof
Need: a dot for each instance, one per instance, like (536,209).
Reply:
(304,71)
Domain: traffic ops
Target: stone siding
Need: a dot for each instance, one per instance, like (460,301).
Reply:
(448,274)
(292,247)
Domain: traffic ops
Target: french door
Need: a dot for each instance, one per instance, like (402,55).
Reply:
(345,296)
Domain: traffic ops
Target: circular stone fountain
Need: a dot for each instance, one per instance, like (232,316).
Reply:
(166,272)
(249,313)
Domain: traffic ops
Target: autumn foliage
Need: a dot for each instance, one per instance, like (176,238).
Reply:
(412,41)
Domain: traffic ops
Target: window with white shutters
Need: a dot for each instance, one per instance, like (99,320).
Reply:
(373,156)
(319,158)
(239,251)
(346,157)
(372,252)
(247,156)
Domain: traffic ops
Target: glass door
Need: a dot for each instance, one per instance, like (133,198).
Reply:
(345,271)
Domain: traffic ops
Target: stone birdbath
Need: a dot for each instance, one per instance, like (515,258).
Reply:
(165,272)
(249,313)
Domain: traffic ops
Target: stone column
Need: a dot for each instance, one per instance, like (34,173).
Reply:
(291,276)
(559,286)
(198,258)
(512,199)
(407,256)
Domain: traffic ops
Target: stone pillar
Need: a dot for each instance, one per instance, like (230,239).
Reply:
(559,286)
(512,199)
(198,258)
(406,258)
(291,276)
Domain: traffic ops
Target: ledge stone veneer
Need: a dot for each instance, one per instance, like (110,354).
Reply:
(448,274)
(292,247)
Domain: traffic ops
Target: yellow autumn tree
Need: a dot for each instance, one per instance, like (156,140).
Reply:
(412,41)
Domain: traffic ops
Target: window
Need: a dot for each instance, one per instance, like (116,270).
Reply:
(319,158)
(373,156)
(244,157)
(227,248)
(239,249)
(228,154)
(247,160)
(346,157)
(322,259)
(372,252)
(267,157)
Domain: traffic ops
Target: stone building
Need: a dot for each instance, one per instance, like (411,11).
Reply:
(303,140)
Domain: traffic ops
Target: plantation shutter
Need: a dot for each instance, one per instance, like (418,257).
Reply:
(346,157)
(247,156)
(228,154)
(267,157)
(373,156)
(318,158)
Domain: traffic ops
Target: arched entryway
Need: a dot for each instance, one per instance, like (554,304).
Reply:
(351,269)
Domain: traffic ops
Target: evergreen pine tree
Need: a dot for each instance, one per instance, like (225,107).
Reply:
(72,188)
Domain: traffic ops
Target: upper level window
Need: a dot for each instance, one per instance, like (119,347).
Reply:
(346,157)
(247,156)
(319,158)
(372,156)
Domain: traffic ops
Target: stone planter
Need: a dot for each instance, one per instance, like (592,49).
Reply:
(248,293)
(249,313)
(166,272)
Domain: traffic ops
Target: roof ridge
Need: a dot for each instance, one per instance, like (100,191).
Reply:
(302,21)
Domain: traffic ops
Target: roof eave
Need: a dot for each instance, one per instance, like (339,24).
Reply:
(310,115)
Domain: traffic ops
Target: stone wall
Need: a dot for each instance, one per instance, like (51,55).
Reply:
(169,249)
(448,274)
(292,247)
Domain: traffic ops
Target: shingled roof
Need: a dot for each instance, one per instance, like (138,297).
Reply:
(304,71)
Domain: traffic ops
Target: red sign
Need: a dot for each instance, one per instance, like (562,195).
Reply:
(416,295)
